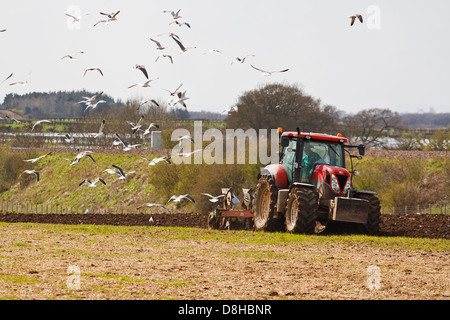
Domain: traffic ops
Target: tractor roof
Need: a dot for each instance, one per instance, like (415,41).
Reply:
(316,136)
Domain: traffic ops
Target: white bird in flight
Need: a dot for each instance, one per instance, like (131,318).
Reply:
(121,173)
(126,145)
(93,69)
(93,106)
(181,197)
(38,158)
(213,199)
(142,68)
(93,184)
(100,131)
(175,14)
(32,172)
(38,122)
(136,126)
(153,205)
(268,73)
(143,85)
(154,161)
(158,45)
(72,56)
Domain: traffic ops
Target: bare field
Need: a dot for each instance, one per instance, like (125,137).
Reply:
(53,261)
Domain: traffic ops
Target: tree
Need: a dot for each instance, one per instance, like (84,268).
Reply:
(370,125)
(279,105)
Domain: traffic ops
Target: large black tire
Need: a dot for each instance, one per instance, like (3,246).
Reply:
(301,210)
(372,227)
(265,201)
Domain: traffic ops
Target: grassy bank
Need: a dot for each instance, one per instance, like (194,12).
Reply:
(397,181)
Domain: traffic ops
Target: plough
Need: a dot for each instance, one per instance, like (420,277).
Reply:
(230,216)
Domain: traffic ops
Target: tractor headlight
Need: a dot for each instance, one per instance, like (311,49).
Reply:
(348,185)
(334,184)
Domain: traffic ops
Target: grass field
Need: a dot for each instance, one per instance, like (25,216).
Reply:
(41,261)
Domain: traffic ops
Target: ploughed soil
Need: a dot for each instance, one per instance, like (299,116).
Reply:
(435,226)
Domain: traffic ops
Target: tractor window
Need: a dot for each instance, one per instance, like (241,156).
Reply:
(320,152)
(289,159)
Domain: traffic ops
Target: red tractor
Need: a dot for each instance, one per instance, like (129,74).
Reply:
(309,188)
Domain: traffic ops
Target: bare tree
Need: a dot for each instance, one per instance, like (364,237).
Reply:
(371,125)
(280,105)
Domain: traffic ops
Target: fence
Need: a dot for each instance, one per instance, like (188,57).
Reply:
(21,207)
(27,207)
(440,208)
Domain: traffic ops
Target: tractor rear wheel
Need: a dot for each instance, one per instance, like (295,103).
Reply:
(265,201)
(372,227)
(301,210)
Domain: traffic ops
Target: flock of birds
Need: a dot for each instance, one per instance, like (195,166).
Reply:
(176,97)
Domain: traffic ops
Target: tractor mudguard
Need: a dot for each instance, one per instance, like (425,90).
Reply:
(277,173)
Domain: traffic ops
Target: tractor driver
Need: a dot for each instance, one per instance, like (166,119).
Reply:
(309,159)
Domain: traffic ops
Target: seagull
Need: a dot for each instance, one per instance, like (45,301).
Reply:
(241,60)
(93,106)
(182,47)
(76,19)
(150,100)
(90,99)
(232,109)
(213,198)
(181,197)
(165,56)
(186,137)
(126,145)
(38,122)
(83,154)
(143,85)
(2,30)
(100,131)
(175,15)
(156,160)
(188,154)
(121,173)
(181,98)
(72,57)
(37,159)
(148,130)
(174,92)
(68,138)
(268,73)
(23,83)
(181,23)
(158,45)
(142,68)
(72,162)
(93,69)
(111,16)
(92,184)
(212,51)
(136,126)
(7,77)
(32,172)
(153,205)
(360,18)
(12,118)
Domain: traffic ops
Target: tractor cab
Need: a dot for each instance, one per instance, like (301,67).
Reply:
(316,149)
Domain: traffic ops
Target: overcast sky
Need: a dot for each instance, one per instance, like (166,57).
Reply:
(397,59)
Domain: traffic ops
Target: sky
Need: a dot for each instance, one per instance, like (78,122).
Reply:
(397,59)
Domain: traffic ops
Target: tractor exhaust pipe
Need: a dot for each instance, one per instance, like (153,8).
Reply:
(298,158)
